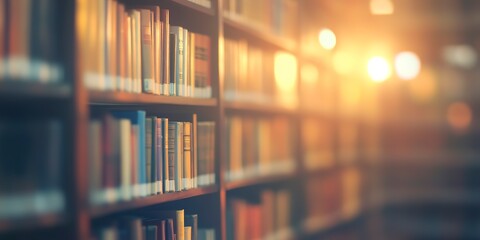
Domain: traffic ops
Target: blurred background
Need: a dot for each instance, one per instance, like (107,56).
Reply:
(239,119)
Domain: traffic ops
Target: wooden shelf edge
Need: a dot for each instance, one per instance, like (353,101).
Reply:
(23,89)
(112,98)
(279,42)
(28,223)
(258,108)
(196,7)
(104,210)
(256,181)
(334,220)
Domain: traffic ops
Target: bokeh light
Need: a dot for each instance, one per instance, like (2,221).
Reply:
(459,115)
(379,69)
(407,65)
(327,39)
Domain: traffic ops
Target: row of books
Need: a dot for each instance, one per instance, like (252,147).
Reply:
(278,17)
(30,40)
(249,72)
(258,147)
(333,196)
(31,157)
(138,50)
(156,225)
(269,218)
(132,155)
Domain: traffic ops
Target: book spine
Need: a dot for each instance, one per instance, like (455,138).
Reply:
(178,140)
(185,89)
(157,50)
(172,130)
(143,161)
(165,18)
(187,158)
(154,170)
(148,153)
(125,158)
(194,147)
(159,155)
(166,156)
(173,64)
(146,46)
(180,220)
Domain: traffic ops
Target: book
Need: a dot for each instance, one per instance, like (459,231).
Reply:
(187,156)
(147,45)
(165,18)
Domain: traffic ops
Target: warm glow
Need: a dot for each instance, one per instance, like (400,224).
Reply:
(407,65)
(327,39)
(285,71)
(343,62)
(459,115)
(424,88)
(379,69)
(309,74)
(381,7)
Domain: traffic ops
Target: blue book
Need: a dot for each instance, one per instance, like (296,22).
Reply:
(138,118)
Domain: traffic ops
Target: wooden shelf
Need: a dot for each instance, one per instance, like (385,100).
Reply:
(321,224)
(32,90)
(257,108)
(29,223)
(113,98)
(255,181)
(286,44)
(196,7)
(103,210)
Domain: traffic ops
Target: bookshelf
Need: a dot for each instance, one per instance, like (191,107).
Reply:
(82,103)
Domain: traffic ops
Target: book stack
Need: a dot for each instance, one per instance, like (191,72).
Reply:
(133,155)
(30,41)
(318,143)
(139,51)
(156,225)
(31,157)
(270,218)
(249,73)
(278,17)
(258,147)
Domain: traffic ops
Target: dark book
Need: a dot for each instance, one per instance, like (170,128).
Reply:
(170,234)
(152,233)
(159,155)
(173,64)
(147,44)
(172,129)
(148,152)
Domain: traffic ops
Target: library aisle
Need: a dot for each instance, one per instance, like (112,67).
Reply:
(239,119)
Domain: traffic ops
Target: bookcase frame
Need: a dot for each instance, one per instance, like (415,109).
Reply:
(79,100)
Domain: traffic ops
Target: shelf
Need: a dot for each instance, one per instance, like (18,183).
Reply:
(318,225)
(262,35)
(196,7)
(115,98)
(256,181)
(28,223)
(103,210)
(257,108)
(15,90)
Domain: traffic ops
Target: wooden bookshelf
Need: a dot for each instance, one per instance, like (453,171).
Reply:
(82,101)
